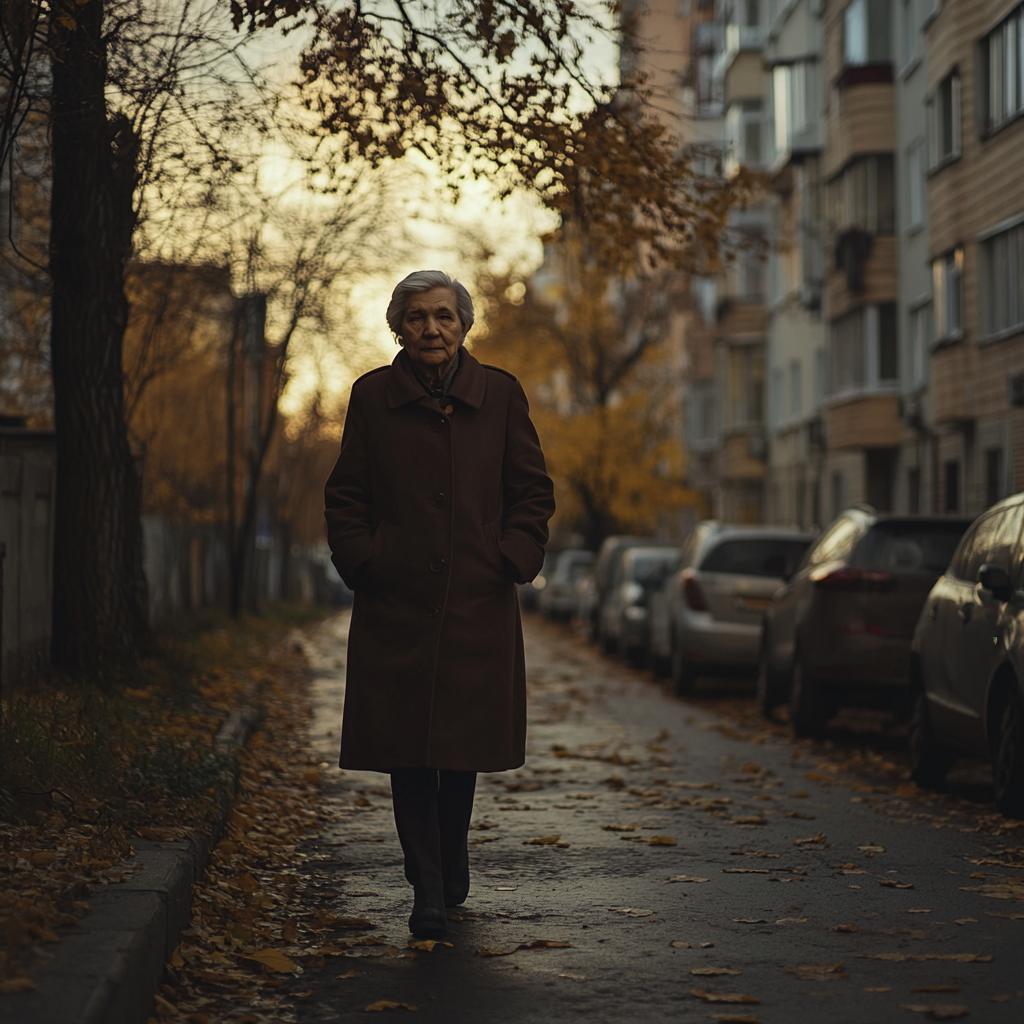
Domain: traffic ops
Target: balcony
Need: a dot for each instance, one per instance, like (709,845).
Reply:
(863,420)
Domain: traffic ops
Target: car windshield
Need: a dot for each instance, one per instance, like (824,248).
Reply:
(911,547)
(761,556)
(651,570)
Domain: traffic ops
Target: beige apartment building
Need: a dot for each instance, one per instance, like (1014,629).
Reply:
(975,199)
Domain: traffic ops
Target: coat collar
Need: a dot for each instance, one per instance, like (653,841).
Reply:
(468,387)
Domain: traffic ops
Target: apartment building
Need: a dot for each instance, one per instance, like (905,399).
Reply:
(795,336)
(975,207)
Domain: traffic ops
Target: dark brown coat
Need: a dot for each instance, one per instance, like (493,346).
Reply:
(435,510)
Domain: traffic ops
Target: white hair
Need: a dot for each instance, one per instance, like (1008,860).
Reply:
(423,281)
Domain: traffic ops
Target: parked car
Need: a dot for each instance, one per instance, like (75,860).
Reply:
(592,589)
(838,632)
(707,618)
(967,660)
(558,599)
(624,614)
(529,593)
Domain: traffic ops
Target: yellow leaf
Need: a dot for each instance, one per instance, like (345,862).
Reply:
(275,960)
(177,960)
(660,841)
(819,838)
(348,974)
(542,841)
(387,1004)
(722,997)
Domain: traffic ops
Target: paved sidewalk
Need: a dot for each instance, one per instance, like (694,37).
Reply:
(676,860)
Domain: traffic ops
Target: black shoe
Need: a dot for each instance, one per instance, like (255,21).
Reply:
(427,922)
(455,893)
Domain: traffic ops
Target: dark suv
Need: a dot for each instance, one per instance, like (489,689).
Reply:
(838,632)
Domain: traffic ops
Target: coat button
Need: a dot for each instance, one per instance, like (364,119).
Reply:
(439,500)
(435,612)
(437,424)
(437,565)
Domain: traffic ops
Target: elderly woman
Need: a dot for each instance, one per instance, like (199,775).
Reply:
(438,505)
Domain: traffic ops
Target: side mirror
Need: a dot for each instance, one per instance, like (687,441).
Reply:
(996,579)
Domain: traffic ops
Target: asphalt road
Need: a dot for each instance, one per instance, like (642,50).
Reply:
(684,858)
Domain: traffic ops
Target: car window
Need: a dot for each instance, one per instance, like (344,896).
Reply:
(651,570)
(992,539)
(837,543)
(925,547)
(762,556)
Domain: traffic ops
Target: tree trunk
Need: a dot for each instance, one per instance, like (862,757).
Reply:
(99,605)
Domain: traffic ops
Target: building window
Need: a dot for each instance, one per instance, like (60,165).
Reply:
(743,131)
(746,385)
(915,184)
(777,402)
(794,99)
(951,486)
(914,491)
(795,392)
(862,196)
(865,348)
(947,294)
(918,336)
(866,36)
(993,475)
(945,120)
(1003,68)
(1002,281)
(702,412)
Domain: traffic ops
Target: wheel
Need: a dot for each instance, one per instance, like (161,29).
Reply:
(769,695)
(1008,754)
(682,673)
(807,710)
(930,761)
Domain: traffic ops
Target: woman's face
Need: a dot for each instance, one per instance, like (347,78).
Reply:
(431,331)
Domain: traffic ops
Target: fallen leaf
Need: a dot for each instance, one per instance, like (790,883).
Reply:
(546,944)
(936,988)
(754,853)
(347,974)
(574,977)
(661,841)
(819,838)
(994,913)
(970,920)
(542,841)
(387,1004)
(792,920)
(713,971)
(891,883)
(691,945)
(722,997)
(632,911)
(816,972)
(878,988)
(915,1007)
(918,910)
(750,819)
(495,952)
(747,871)
(505,888)
(11,986)
(619,828)
(274,960)
(353,922)
(427,945)
(845,928)
(872,848)
(801,816)
(686,878)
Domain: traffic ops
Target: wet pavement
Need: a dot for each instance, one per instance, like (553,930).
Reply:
(653,862)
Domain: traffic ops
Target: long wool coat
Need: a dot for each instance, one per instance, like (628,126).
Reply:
(435,510)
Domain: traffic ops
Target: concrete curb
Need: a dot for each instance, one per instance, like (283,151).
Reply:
(107,969)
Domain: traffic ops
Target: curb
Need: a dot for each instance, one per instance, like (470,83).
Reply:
(107,969)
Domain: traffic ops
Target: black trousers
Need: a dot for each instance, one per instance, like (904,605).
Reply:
(432,812)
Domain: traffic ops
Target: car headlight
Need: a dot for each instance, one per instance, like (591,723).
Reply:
(632,593)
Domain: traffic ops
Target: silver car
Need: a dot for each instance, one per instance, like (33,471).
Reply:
(706,620)
(967,660)
(559,598)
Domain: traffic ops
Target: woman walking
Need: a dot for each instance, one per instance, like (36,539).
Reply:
(438,505)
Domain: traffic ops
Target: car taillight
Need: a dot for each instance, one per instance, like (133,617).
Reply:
(847,578)
(692,593)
